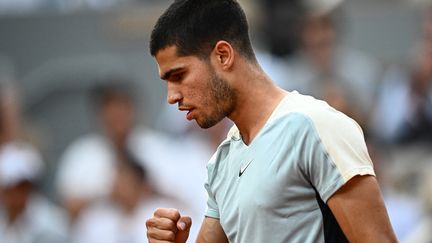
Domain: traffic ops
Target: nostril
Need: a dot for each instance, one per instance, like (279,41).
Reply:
(173,98)
(172,101)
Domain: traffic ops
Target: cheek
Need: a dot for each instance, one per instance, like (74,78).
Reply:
(197,91)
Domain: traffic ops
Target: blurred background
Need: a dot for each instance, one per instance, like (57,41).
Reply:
(89,147)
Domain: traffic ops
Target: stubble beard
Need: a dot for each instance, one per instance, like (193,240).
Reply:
(221,100)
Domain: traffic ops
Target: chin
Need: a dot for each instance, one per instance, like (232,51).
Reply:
(204,125)
(207,123)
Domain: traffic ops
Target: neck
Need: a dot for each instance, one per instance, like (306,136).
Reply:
(257,98)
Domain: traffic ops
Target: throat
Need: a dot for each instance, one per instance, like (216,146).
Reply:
(257,117)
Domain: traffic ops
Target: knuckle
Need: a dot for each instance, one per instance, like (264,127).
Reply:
(165,223)
(149,223)
(150,234)
(170,236)
(158,211)
(170,213)
(173,214)
(172,224)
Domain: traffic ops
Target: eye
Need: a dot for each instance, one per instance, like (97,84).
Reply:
(177,77)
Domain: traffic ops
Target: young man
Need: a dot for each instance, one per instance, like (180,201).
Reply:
(292,169)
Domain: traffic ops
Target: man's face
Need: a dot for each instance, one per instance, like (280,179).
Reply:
(193,84)
(118,116)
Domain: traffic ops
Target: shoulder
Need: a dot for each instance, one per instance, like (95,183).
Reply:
(337,136)
(311,113)
(221,152)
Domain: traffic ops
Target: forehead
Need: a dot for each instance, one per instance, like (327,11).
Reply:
(168,60)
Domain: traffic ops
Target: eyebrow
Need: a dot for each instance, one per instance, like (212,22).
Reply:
(170,72)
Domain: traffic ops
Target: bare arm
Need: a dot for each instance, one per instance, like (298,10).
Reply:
(360,211)
(211,232)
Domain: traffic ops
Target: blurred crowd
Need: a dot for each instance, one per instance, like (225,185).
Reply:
(109,181)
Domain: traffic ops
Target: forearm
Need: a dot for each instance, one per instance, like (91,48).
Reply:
(211,232)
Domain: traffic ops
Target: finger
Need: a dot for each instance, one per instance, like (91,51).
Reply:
(150,222)
(161,223)
(158,234)
(184,223)
(152,234)
(159,241)
(170,213)
(164,224)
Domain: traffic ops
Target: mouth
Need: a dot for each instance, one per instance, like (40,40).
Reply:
(189,115)
(189,112)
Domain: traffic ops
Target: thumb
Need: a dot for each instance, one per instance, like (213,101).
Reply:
(183,225)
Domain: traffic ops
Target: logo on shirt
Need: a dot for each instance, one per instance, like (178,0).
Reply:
(244,167)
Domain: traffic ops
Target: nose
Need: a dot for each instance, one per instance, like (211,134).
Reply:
(173,95)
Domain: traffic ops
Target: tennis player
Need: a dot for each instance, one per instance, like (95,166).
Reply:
(292,169)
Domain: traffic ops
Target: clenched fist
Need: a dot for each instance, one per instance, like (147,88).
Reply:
(167,225)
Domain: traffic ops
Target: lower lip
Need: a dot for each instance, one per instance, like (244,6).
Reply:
(189,115)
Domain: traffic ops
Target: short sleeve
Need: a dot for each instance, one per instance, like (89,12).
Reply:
(334,151)
(212,209)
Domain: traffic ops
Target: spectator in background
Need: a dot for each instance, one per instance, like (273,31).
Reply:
(87,169)
(10,122)
(403,119)
(25,215)
(325,68)
(279,28)
(403,204)
(120,218)
(422,232)
(404,109)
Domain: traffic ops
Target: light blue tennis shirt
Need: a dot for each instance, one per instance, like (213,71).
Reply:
(275,189)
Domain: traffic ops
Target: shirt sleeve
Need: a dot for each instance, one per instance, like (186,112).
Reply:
(334,151)
(212,209)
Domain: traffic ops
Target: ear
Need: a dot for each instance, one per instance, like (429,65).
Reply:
(223,54)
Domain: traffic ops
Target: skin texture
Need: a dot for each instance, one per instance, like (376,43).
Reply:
(357,206)
(211,231)
(209,97)
(253,97)
(360,211)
